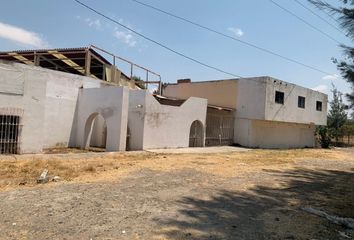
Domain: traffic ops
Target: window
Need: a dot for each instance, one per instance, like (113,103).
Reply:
(301,102)
(9,132)
(318,106)
(279,97)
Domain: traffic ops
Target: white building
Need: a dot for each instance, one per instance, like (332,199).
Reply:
(263,112)
(41,108)
(76,98)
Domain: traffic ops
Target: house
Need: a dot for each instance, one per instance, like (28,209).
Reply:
(262,112)
(75,97)
(58,98)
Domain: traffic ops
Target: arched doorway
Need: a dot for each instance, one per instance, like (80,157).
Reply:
(95,132)
(196,134)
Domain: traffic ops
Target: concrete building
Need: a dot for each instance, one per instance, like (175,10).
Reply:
(263,112)
(68,106)
(153,124)
(75,97)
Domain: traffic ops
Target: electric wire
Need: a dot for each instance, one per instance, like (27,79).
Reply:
(233,38)
(304,21)
(156,42)
(319,16)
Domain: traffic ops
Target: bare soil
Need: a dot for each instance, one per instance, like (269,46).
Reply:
(255,194)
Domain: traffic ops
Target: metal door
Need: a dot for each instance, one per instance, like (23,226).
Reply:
(219,129)
(196,134)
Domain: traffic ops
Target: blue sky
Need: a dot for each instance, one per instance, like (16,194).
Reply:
(42,23)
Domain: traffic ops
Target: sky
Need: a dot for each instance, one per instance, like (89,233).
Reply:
(63,24)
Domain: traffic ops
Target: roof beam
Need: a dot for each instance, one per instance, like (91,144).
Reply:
(21,58)
(54,64)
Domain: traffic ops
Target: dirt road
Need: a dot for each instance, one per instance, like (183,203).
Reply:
(238,195)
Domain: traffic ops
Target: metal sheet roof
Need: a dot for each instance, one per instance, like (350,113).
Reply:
(70,60)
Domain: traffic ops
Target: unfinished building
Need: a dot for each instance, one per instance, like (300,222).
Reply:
(263,112)
(77,98)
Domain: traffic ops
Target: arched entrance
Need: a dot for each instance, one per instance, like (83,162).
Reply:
(95,132)
(196,134)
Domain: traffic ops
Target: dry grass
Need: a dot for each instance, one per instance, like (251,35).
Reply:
(89,167)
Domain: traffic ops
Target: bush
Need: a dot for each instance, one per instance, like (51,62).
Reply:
(324,136)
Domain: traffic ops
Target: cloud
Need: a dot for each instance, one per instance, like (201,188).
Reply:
(321,88)
(21,36)
(125,37)
(331,77)
(237,31)
(95,23)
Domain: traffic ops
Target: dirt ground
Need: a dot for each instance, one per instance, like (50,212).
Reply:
(256,194)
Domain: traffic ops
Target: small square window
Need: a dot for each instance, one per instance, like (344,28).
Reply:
(301,102)
(279,97)
(318,106)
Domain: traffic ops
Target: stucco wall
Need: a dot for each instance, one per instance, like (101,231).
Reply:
(112,104)
(61,100)
(271,134)
(136,119)
(153,125)
(254,98)
(48,99)
(289,111)
(242,132)
(218,93)
(30,100)
(251,97)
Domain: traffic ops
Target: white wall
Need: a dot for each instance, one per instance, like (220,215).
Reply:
(99,133)
(31,101)
(112,104)
(289,111)
(136,119)
(48,99)
(242,132)
(259,121)
(154,125)
(251,97)
(254,98)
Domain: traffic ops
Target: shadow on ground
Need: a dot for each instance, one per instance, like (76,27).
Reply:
(267,212)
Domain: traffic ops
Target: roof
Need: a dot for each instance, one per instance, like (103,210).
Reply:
(168,101)
(178,102)
(71,60)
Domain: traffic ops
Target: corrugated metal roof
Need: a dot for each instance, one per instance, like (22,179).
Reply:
(45,50)
(71,60)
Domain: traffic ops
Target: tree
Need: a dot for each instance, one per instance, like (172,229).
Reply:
(324,136)
(348,131)
(344,14)
(139,82)
(336,120)
(337,115)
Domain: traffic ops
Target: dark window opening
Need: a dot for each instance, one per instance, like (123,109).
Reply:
(319,106)
(9,132)
(279,97)
(301,102)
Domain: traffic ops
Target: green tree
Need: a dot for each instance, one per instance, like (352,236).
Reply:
(139,82)
(348,132)
(344,14)
(324,136)
(337,115)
